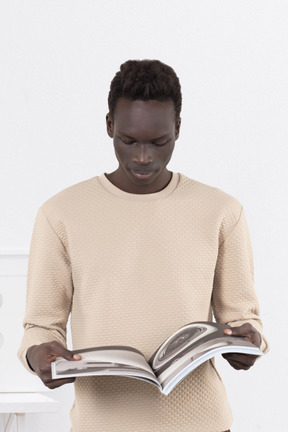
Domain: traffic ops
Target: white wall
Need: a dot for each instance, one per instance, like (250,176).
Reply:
(57,61)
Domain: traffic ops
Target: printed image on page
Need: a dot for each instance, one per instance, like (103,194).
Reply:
(105,361)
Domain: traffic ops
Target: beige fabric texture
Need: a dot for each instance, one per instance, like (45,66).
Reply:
(132,269)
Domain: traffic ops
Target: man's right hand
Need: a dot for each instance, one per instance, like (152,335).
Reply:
(40,358)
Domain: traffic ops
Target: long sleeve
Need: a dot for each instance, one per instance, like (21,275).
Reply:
(49,288)
(234,300)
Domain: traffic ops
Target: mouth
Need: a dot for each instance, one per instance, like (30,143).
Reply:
(141,174)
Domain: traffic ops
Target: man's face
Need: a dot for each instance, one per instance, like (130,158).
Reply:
(144,135)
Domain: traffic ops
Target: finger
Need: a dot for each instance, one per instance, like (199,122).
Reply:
(45,375)
(58,350)
(238,333)
(242,358)
(52,384)
(242,361)
(238,365)
(247,331)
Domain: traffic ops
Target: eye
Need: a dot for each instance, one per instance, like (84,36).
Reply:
(127,142)
(160,144)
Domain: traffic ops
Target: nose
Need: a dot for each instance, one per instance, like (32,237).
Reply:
(143,154)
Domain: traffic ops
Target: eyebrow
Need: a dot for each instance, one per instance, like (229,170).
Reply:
(134,139)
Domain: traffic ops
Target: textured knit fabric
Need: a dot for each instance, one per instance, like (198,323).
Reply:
(132,269)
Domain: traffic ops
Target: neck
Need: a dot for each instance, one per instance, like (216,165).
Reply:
(123,183)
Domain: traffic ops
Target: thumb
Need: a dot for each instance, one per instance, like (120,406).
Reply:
(69,355)
(77,357)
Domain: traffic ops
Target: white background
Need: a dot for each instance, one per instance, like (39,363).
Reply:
(57,59)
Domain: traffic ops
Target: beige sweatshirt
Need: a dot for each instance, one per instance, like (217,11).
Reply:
(132,269)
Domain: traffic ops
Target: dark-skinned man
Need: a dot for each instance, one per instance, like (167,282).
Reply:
(133,255)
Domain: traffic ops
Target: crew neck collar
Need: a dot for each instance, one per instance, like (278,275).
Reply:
(139,197)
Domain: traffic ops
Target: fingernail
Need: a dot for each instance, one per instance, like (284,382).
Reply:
(228,331)
(77,357)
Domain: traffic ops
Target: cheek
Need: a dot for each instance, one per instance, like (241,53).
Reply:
(167,154)
(122,154)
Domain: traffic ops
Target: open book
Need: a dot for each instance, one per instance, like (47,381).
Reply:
(176,357)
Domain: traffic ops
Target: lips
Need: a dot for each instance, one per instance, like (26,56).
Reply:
(141,174)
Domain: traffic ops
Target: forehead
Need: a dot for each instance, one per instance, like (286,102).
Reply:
(139,114)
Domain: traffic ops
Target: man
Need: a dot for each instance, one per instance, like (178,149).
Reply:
(134,255)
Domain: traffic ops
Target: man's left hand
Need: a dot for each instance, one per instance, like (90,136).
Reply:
(243,361)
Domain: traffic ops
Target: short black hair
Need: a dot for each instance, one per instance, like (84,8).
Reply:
(145,80)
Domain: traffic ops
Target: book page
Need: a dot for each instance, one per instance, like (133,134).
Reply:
(189,347)
(110,360)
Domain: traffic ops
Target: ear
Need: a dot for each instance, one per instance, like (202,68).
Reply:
(109,125)
(177,127)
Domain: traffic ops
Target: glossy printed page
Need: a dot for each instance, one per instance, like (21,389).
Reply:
(190,346)
(110,360)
